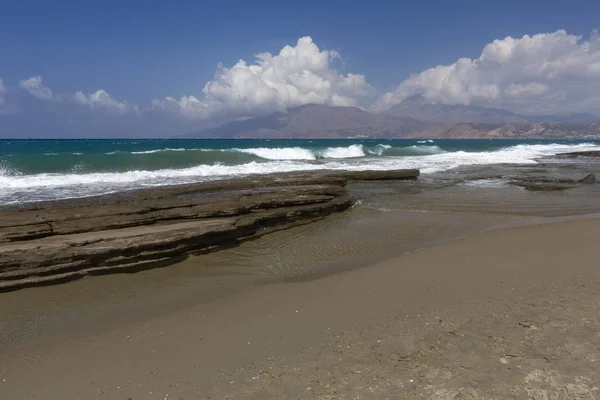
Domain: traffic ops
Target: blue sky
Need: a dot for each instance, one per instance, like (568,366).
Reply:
(137,52)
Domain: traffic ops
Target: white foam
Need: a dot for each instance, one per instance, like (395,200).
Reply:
(425,141)
(519,154)
(156,151)
(57,154)
(81,184)
(299,153)
(379,149)
(284,153)
(158,177)
(421,149)
(352,151)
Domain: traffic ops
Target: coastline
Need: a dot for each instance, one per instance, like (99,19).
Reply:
(64,240)
(402,295)
(499,314)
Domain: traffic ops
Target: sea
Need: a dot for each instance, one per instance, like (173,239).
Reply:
(39,170)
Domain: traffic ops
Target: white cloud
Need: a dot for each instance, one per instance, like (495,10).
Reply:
(98,100)
(548,72)
(543,73)
(101,100)
(35,87)
(298,75)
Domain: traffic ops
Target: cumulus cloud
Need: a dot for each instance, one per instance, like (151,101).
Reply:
(98,100)
(35,87)
(101,100)
(298,75)
(547,72)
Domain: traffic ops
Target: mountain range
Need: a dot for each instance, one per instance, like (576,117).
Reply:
(417,107)
(317,121)
(413,118)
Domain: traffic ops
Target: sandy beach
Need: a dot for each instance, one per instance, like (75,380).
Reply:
(475,283)
(511,313)
(299,200)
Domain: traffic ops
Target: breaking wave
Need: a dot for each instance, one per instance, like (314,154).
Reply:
(286,153)
(208,164)
(300,153)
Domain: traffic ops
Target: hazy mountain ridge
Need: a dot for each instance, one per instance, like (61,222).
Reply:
(325,122)
(542,130)
(417,107)
(314,122)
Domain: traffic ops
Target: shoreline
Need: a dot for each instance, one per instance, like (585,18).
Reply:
(55,313)
(65,240)
(444,287)
(58,313)
(358,326)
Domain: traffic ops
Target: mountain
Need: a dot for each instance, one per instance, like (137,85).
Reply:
(325,122)
(567,118)
(541,130)
(316,122)
(417,107)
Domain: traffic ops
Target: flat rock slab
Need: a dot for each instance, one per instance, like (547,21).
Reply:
(51,242)
(378,175)
(575,154)
(543,186)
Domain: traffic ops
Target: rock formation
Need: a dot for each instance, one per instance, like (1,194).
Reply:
(51,242)
(543,184)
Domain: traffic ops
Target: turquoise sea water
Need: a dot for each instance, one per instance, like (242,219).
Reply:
(32,170)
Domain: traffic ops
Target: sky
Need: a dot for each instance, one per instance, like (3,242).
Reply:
(159,69)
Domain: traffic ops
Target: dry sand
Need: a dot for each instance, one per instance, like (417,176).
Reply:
(507,314)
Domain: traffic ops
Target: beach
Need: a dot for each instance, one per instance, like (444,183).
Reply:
(511,313)
(478,281)
(299,200)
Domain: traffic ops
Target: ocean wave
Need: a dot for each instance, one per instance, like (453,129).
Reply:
(283,153)
(426,149)
(518,154)
(379,149)
(58,154)
(425,141)
(77,183)
(300,153)
(158,151)
(414,150)
(164,176)
(352,151)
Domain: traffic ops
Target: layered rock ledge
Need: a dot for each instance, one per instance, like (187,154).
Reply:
(576,154)
(544,184)
(52,242)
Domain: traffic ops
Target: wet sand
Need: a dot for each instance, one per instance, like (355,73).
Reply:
(511,313)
